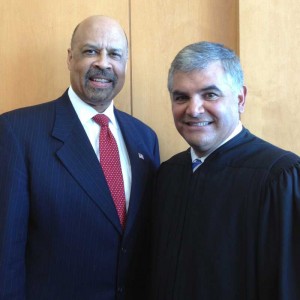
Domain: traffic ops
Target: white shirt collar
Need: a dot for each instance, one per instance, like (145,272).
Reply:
(235,132)
(86,112)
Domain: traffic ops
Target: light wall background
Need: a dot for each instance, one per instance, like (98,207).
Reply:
(35,35)
(269,45)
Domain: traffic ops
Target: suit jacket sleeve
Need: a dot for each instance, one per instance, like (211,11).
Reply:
(14,207)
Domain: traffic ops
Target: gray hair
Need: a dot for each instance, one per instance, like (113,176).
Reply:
(198,56)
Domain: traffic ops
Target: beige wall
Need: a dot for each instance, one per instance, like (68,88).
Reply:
(159,30)
(269,50)
(35,35)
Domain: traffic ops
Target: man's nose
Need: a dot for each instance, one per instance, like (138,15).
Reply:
(195,106)
(103,61)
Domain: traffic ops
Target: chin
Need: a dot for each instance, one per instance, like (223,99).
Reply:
(196,142)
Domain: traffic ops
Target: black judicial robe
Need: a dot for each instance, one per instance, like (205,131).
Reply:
(231,230)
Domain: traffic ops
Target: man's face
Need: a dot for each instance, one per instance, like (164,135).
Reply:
(97,62)
(205,108)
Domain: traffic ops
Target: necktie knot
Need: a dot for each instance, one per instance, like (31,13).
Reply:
(196,163)
(101,119)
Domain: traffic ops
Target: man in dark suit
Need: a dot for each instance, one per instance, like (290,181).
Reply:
(60,234)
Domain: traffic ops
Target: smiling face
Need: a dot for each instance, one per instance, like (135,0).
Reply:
(205,108)
(97,61)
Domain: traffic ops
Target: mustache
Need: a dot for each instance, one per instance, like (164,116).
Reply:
(103,73)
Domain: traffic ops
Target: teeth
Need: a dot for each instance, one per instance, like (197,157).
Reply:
(200,124)
(101,80)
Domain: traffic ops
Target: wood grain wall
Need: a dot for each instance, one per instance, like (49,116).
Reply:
(269,51)
(35,35)
(34,38)
(159,30)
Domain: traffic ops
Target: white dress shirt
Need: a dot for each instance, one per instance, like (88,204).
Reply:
(85,114)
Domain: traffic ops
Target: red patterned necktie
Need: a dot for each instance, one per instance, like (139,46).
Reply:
(111,166)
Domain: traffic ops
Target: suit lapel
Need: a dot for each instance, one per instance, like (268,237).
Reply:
(77,155)
(138,168)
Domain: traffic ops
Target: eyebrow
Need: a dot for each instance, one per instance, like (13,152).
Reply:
(100,47)
(212,87)
(178,93)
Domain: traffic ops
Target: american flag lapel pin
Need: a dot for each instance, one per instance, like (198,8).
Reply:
(141,156)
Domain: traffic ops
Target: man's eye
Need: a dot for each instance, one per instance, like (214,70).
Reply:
(210,96)
(116,55)
(90,52)
(180,98)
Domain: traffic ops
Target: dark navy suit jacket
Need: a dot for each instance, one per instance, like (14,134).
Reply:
(60,236)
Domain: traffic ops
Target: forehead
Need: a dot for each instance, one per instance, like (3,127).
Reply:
(213,74)
(100,34)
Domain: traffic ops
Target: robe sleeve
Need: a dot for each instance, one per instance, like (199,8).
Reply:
(14,206)
(279,237)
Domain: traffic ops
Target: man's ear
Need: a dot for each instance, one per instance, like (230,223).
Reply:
(69,57)
(242,99)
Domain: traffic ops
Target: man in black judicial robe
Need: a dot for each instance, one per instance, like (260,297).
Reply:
(230,229)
